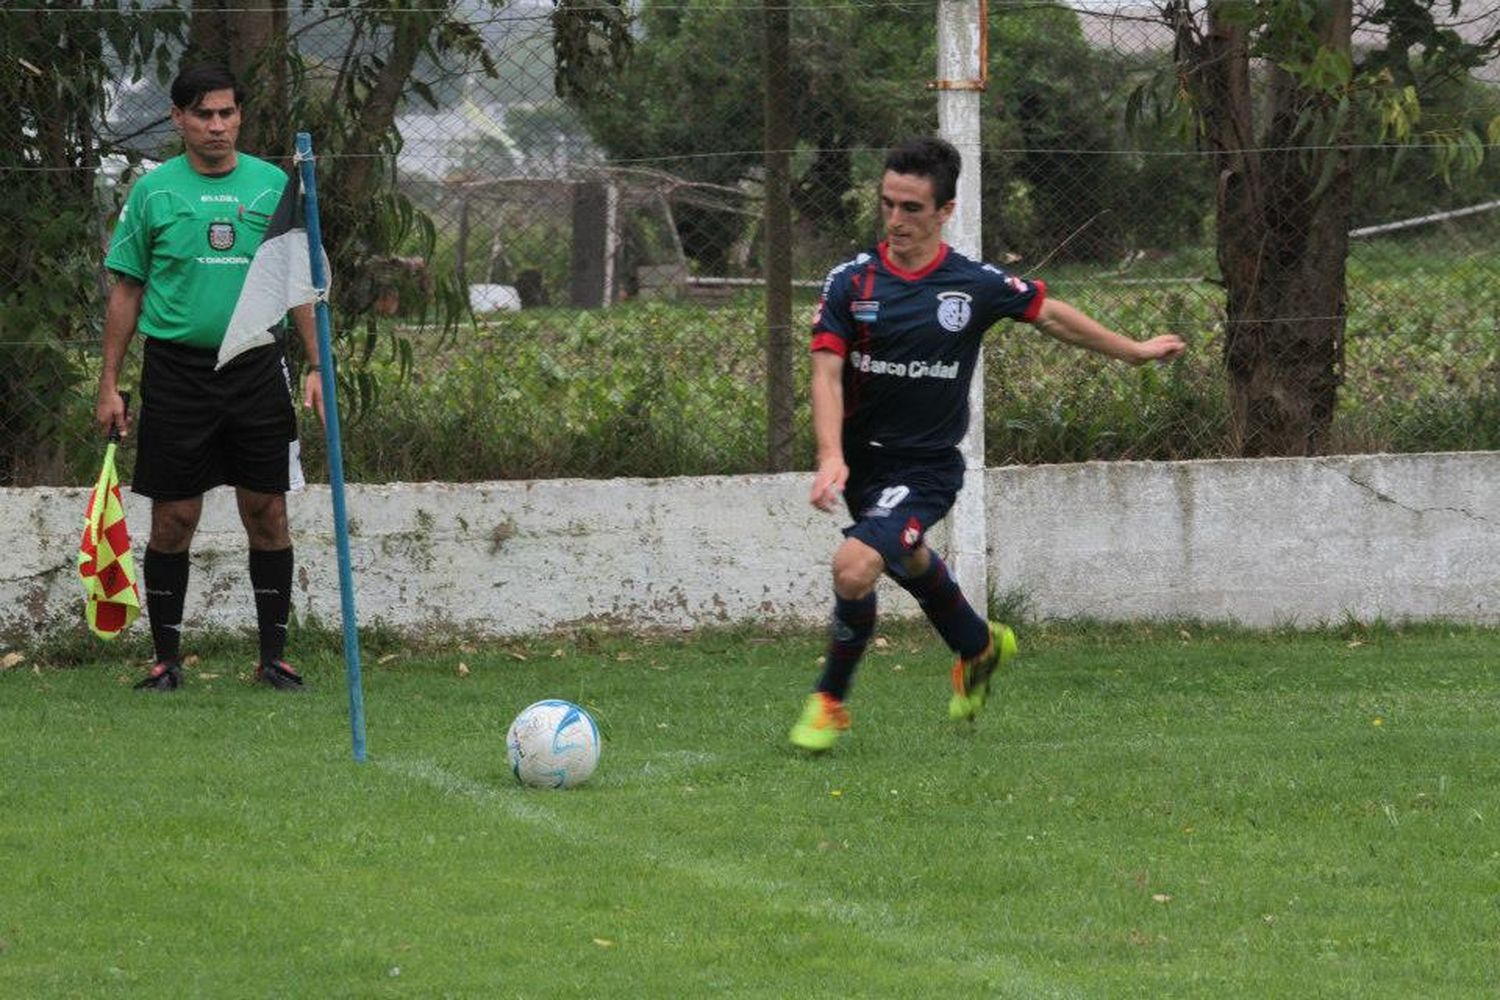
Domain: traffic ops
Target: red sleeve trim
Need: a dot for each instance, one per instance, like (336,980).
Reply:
(825,341)
(1035,309)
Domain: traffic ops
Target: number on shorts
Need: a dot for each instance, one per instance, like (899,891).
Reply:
(891,497)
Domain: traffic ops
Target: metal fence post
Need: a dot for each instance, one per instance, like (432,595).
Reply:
(961,73)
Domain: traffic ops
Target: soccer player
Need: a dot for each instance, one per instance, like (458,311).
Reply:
(895,339)
(178,258)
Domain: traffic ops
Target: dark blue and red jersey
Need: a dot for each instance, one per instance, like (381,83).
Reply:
(910,340)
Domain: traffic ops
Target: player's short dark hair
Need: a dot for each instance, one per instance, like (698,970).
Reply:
(930,157)
(192,83)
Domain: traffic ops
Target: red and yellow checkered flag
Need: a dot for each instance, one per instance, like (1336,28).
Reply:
(104,561)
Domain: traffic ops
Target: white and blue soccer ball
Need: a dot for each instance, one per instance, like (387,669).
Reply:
(553,744)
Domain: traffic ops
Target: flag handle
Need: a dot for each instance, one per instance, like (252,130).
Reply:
(335,447)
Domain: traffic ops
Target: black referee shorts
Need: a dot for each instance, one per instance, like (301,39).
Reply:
(199,428)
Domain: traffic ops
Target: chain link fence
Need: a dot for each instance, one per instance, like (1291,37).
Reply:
(577,286)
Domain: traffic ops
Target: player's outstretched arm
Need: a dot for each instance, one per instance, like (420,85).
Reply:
(1072,326)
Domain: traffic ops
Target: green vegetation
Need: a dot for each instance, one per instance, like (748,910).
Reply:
(49,149)
(1065,182)
(677,388)
(1056,159)
(644,389)
(1167,811)
(653,389)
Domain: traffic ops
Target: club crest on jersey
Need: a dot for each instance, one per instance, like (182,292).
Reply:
(865,310)
(954,311)
(221,235)
(911,535)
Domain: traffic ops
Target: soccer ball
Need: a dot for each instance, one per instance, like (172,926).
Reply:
(552,744)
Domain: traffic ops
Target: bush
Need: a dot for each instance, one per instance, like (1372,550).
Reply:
(657,388)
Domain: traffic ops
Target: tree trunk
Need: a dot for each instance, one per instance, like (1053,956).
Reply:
(1284,200)
(251,41)
(1284,346)
(780,138)
(359,171)
(359,164)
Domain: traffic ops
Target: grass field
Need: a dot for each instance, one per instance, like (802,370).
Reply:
(1154,812)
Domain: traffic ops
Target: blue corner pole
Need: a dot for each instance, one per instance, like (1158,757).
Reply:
(335,446)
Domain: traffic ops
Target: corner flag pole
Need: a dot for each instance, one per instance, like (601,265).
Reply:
(335,445)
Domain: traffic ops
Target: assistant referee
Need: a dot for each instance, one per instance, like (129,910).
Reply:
(178,258)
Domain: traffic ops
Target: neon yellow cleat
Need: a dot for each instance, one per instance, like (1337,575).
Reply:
(971,678)
(823,718)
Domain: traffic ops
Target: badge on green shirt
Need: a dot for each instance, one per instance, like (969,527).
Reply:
(188,238)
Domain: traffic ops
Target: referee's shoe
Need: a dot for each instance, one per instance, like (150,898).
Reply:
(279,674)
(165,675)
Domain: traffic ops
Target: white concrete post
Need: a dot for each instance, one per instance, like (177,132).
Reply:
(960,42)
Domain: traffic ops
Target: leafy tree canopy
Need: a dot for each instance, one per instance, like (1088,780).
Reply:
(690,100)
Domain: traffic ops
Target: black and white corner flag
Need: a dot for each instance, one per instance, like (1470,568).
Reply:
(279,278)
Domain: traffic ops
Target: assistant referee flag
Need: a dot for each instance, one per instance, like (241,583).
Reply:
(280,277)
(105,564)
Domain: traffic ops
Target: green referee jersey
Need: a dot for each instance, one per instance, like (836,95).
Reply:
(188,238)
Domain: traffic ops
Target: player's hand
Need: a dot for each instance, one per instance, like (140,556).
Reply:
(312,394)
(828,483)
(109,412)
(1162,348)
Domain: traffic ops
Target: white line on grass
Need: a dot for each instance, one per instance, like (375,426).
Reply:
(518,806)
(879,923)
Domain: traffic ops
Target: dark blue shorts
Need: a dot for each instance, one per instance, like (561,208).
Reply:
(895,500)
(199,428)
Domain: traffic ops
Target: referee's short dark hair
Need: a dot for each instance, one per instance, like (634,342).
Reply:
(931,157)
(192,83)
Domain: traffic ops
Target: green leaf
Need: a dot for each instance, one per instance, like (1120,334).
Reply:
(425,92)
(1331,160)
(1136,100)
(1334,68)
(1398,159)
(1237,13)
(1340,119)
(1304,122)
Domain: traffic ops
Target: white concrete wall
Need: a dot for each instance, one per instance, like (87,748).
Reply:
(1261,542)
(1266,542)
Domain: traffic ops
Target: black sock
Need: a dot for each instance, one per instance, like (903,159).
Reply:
(166,577)
(949,611)
(848,634)
(271,578)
